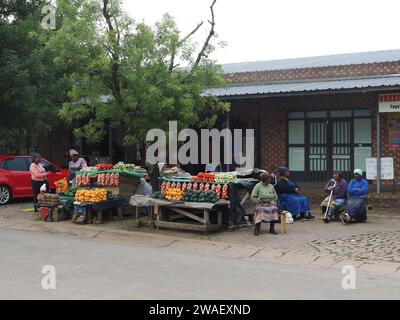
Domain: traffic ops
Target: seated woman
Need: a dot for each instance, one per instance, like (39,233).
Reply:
(265,197)
(290,198)
(338,187)
(357,202)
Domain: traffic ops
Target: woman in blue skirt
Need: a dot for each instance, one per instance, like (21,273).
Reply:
(290,198)
(356,210)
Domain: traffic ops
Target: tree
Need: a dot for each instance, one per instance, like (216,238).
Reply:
(131,75)
(31,89)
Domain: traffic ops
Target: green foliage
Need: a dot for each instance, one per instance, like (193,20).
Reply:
(146,73)
(100,68)
(31,89)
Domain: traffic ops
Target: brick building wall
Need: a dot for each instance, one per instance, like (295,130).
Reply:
(268,116)
(385,150)
(359,70)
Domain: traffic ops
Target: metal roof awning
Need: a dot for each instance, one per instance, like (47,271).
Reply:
(314,62)
(383,82)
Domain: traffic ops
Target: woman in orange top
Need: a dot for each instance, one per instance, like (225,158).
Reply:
(38,177)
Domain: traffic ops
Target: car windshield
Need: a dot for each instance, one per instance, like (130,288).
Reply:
(46,165)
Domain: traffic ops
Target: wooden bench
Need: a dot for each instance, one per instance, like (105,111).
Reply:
(282,225)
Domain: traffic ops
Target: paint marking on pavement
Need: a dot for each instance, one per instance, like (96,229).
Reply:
(95,236)
(171,243)
(254,253)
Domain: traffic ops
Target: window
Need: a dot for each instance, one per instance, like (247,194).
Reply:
(362,113)
(16,164)
(296,132)
(362,131)
(317,114)
(47,166)
(296,115)
(361,154)
(296,145)
(341,114)
(296,159)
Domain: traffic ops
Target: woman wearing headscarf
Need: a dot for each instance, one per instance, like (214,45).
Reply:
(265,197)
(290,198)
(38,177)
(338,186)
(357,202)
(77,163)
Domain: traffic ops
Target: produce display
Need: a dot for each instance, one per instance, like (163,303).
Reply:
(88,169)
(158,195)
(108,179)
(173,194)
(204,177)
(61,186)
(83,180)
(92,195)
(200,196)
(125,166)
(225,194)
(104,166)
(49,200)
(70,194)
(225,177)
(221,191)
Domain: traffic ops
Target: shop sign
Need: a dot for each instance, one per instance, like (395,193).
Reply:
(387,169)
(394,131)
(389,102)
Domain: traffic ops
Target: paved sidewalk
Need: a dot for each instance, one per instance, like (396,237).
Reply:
(373,246)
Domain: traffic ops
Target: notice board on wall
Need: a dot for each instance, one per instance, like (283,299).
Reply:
(387,169)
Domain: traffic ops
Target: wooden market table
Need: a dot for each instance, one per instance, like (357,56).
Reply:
(198,212)
(94,209)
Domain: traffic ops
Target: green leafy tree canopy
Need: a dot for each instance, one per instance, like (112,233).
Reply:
(132,75)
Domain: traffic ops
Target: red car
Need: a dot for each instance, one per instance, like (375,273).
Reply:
(15,178)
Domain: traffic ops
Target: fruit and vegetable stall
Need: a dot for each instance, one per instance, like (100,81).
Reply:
(195,203)
(204,202)
(227,186)
(103,189)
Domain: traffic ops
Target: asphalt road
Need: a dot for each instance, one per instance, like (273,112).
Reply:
(112,269)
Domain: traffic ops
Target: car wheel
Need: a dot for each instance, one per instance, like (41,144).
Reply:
(5,195)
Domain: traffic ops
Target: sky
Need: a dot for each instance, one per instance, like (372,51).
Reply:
(277,29)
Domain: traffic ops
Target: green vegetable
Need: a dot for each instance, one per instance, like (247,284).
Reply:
(225,177)
(156,195)
(125,166)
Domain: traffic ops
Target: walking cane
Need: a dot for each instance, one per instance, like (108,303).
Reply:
(329,201)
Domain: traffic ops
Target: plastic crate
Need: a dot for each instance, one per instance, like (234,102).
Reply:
(46,214)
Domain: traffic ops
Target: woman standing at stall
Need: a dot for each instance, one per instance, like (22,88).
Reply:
(265,197)
(38,177)
(77,163)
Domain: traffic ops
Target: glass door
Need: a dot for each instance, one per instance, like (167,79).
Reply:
(317,150)
(340,146)
(320,142)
